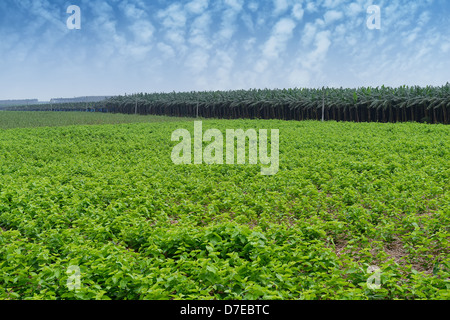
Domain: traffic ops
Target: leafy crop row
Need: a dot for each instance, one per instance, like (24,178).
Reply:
(21,119)
(109,200)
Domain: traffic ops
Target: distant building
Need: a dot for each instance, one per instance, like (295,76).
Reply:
(80,99)
(12,103)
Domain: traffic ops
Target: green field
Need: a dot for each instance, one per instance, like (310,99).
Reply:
(108,200)
(24,119)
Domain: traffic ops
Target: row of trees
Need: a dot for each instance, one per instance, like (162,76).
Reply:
(380,104)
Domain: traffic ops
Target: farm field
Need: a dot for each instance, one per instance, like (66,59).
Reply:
(29,119)
(108,200)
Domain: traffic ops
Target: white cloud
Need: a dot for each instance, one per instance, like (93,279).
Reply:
(281,33)
(44,11)
(322,43)
(330,4)
(197,61)
(223,64)
(199,31)
(354,9)
(332,16)
(315,58)
(281,6)
(166,50)
(229,16)
(143,31)
(410,36)
(235,5)
(298,12)
(131,11)
(308,34)
(248,21)
(108,39)
(197,6)
(253,6)
(299,78)
(174,22)
(177,38)
(173,17)
(249,44)
(424,18)
(445,47)
(311,7)
(276,44)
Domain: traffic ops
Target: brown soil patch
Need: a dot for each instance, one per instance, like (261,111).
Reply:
(396,250)
(340,245)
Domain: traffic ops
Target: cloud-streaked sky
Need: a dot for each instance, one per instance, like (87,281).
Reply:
(128,46)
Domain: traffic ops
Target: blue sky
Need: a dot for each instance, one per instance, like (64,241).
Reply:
(128,46)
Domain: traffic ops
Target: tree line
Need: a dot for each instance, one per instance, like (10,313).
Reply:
(381,104)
